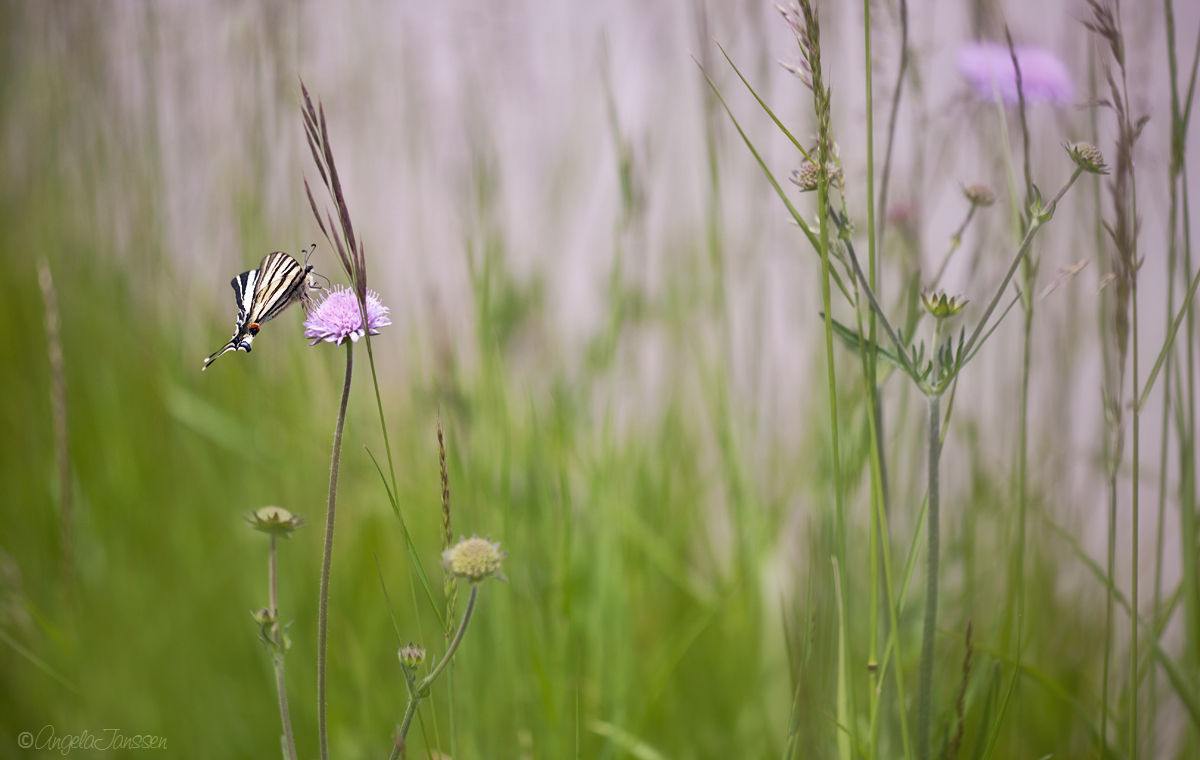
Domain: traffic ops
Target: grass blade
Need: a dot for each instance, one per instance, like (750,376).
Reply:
(1162,355)
(408,542)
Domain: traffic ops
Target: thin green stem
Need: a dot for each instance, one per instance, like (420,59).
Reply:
(1164,449)
(1133,538)
(826,298)
(327,558)
(405,724)
(1023,472)
(894,629)
(1187,485)
(462,628)
(869,378)
(289,741)
(272,600)
(418,691)
(933,534)
(1034,225)
(873,534)
(955,244)
(892,117)
(1109,444)
(1108,602)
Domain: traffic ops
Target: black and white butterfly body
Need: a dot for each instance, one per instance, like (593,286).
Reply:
(262,294)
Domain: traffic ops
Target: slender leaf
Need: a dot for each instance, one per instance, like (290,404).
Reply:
(408,542)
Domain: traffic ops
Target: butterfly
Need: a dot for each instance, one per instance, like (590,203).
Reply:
(262,294)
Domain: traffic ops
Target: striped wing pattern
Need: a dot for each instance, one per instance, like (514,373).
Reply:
(262,294)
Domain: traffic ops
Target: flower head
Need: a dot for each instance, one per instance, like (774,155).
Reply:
(336,317)
(475,559)
(1087,157)
(1044,77)
(941,306)
(979,195)
(411,655)
(808,175)
(276,521)
(264,616)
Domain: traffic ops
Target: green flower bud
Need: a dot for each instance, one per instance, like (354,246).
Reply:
(1087,157)
(941,306)
(264,616)
(411,655)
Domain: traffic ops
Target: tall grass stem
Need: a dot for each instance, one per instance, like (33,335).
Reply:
(933,536)
(327,557)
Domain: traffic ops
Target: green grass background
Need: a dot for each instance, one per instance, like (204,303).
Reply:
(671,588)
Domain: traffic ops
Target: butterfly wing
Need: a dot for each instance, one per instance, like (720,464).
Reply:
(262,294)
(244,286)
(281,283)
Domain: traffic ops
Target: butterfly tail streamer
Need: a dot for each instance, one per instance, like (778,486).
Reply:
(233,345)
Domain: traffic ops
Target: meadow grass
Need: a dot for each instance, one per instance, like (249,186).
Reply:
(682,585)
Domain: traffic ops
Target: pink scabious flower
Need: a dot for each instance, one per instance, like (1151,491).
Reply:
(336,317)
(1044,77)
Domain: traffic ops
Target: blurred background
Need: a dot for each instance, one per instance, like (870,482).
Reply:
(594,286)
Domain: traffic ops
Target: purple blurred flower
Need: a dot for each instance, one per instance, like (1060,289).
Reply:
(1044,77)
(336,317)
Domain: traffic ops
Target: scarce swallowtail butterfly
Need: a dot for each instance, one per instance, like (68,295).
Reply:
(262,294)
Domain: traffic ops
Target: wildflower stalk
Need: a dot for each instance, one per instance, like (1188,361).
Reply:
(870,357)
(419,690)
(1164,447)
(880,543)
(955,243)
(327,557)
(933,453)
(933,388)
(1109,438)
(891,133)
(449,583)
(1029,268)
(805,25)
(846,710)
(1180,116)
(276,522)
(289,741)
(1129,136)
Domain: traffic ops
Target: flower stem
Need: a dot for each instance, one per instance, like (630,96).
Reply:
(925,697)
(1129,135)
(409,712)
(289,740)
(462,628)
(327,559)
(272,598)
(420,690)
(289,746)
